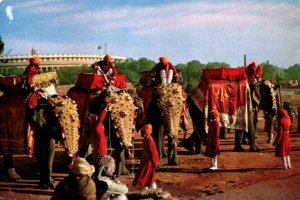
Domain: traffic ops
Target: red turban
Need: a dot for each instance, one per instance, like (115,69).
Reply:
(108,59)
(163,60)
(35,60)
(214,114)
(147,129)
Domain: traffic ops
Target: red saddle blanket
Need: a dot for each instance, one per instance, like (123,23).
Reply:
(90,81)
(225,73)
(230,98)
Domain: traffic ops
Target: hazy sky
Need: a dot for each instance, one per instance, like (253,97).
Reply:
(182,30)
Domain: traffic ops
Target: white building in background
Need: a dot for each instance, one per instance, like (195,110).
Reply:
(52,61)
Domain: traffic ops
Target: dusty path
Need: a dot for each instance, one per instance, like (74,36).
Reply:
(240,176)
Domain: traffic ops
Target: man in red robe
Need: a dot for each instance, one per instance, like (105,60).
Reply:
(98,138)
(106,67)
(213,145)
(282,141)
(165,70)
(145,176)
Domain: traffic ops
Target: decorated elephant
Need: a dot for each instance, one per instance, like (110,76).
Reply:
(94,98)
(226,90)
(266,98)
(28,130)
(235,90)
(163,106)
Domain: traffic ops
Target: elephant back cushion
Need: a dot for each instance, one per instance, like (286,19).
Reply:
(224,73)
(91,81)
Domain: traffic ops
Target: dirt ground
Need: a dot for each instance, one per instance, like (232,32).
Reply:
(241,175)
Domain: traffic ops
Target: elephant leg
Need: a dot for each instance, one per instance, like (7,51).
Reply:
(158,137)
(238,141)
(172,150)
(120,161)
(198,143)
(9,168)
(222,133)
(45,152)
(161,135)
(270,124)
(252,137)
(189,142)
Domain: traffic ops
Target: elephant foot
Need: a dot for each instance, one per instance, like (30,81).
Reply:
(254,149)
(45,185)
(173,163)
(160,165)
(270,139)
(198,152)
(245,142)
(187,147)
(239,149)
(13,175)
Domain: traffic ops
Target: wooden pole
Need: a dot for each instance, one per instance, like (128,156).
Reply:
(298,119)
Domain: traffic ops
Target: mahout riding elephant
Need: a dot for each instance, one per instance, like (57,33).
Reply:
(163,107)
(93,95)
(34,129)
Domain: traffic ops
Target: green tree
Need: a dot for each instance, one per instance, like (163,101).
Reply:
(145,64)
(217,64)
(293,72)
(269,71)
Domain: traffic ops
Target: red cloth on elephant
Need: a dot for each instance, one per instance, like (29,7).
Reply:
(282,140)
(230,98)
(224,73)
(89,81)
(98,138)
(149,162)
(213,144)
(145,94)
(13,126)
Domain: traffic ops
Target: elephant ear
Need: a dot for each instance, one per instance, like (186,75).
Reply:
(256,94)
(171,102)
(122,108)
(67,113)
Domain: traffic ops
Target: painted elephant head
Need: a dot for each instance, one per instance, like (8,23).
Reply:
(171,102)
(123,111)
(265,97)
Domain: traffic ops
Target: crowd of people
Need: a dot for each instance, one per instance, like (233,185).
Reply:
(92,180)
